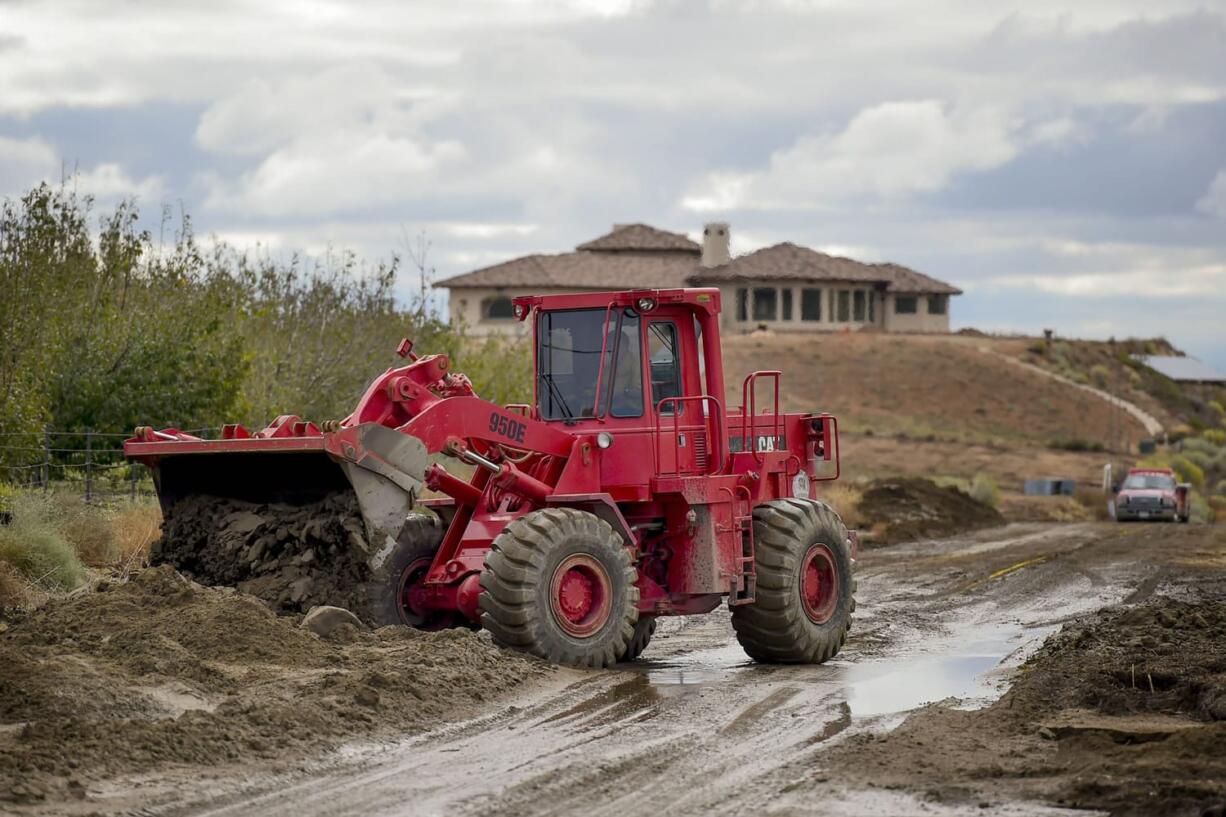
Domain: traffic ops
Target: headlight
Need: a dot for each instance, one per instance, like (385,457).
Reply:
(604,439)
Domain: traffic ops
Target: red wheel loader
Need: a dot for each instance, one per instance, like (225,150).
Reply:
(626,491)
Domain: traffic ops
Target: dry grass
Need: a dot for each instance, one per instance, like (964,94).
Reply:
(135,527)
(15,591)
(55,537)
(844,497)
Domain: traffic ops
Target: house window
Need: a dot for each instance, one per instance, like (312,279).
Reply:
(872,303)
(497,308)
(844,305)
(765,304)
(787,304)
(810,304)
(936,304)
(742,304)
(858,306)
(906,304)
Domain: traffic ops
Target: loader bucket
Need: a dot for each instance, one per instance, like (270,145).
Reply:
(299,521)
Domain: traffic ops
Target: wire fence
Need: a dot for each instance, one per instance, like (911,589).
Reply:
(87,461)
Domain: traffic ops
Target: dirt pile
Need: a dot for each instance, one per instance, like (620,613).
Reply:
(125,677)
(909,508)
(293,556)
(1123,711)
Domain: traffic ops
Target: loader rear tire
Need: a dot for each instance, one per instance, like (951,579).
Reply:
(558,583)
(644,629)
(805,590)
(391,577)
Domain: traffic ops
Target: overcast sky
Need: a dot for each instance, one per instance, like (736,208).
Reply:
(1063,163)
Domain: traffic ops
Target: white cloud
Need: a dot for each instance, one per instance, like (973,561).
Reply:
(1063,132)
(486,231)
(886,151)
(25,163)
(109,181)
(1208,280)
(1214,200)
(339,140)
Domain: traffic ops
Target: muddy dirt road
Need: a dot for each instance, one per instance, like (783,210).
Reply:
(696,729)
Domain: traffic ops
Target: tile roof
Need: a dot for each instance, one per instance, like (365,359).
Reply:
(583,270)
(641,238)
(636,256)
(789,262)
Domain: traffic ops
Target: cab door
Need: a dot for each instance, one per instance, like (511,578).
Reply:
(671,354)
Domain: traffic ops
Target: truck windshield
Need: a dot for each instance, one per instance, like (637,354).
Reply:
(568,349)
(1153,482)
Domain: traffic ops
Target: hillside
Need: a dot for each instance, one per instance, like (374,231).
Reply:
(950,388)
(946,407)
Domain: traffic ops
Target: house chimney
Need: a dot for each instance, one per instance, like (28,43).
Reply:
(715,244)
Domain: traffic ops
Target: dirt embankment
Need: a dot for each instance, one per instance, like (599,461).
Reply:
(924,386)
(293,557)
(126,677)
(1123,710)
(906,509)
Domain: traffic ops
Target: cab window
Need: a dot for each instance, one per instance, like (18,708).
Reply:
(569,343)
(665,355)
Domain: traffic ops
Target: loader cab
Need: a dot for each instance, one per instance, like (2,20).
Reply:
(642,363)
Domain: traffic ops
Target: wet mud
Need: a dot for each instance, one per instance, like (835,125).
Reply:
(1122,711)
(944,700)
(158,671)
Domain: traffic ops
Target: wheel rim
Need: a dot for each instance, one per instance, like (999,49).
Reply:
(580,595)
(411,598)
(819,584)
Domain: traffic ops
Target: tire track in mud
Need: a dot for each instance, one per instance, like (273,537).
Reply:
(636,739)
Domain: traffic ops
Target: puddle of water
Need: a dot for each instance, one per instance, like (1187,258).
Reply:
(696,668)
(902,684)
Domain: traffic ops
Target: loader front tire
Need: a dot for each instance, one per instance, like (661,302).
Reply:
(393,575)
(558,583)
(805,590)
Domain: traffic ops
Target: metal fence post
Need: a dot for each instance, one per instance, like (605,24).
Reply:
(132,478)
(88,464)
(46,459)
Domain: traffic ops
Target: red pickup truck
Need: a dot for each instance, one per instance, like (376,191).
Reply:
(1152,493)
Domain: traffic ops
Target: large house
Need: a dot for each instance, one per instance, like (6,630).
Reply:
(783,288)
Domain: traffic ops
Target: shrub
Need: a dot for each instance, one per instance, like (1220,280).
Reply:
(1199,510)
(1094,501)
(845,499)
(134,528)
(1187,470)
(86,527)
(1215,436)
(1201,444)
(1203,460)
(34,547)
(984,489)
